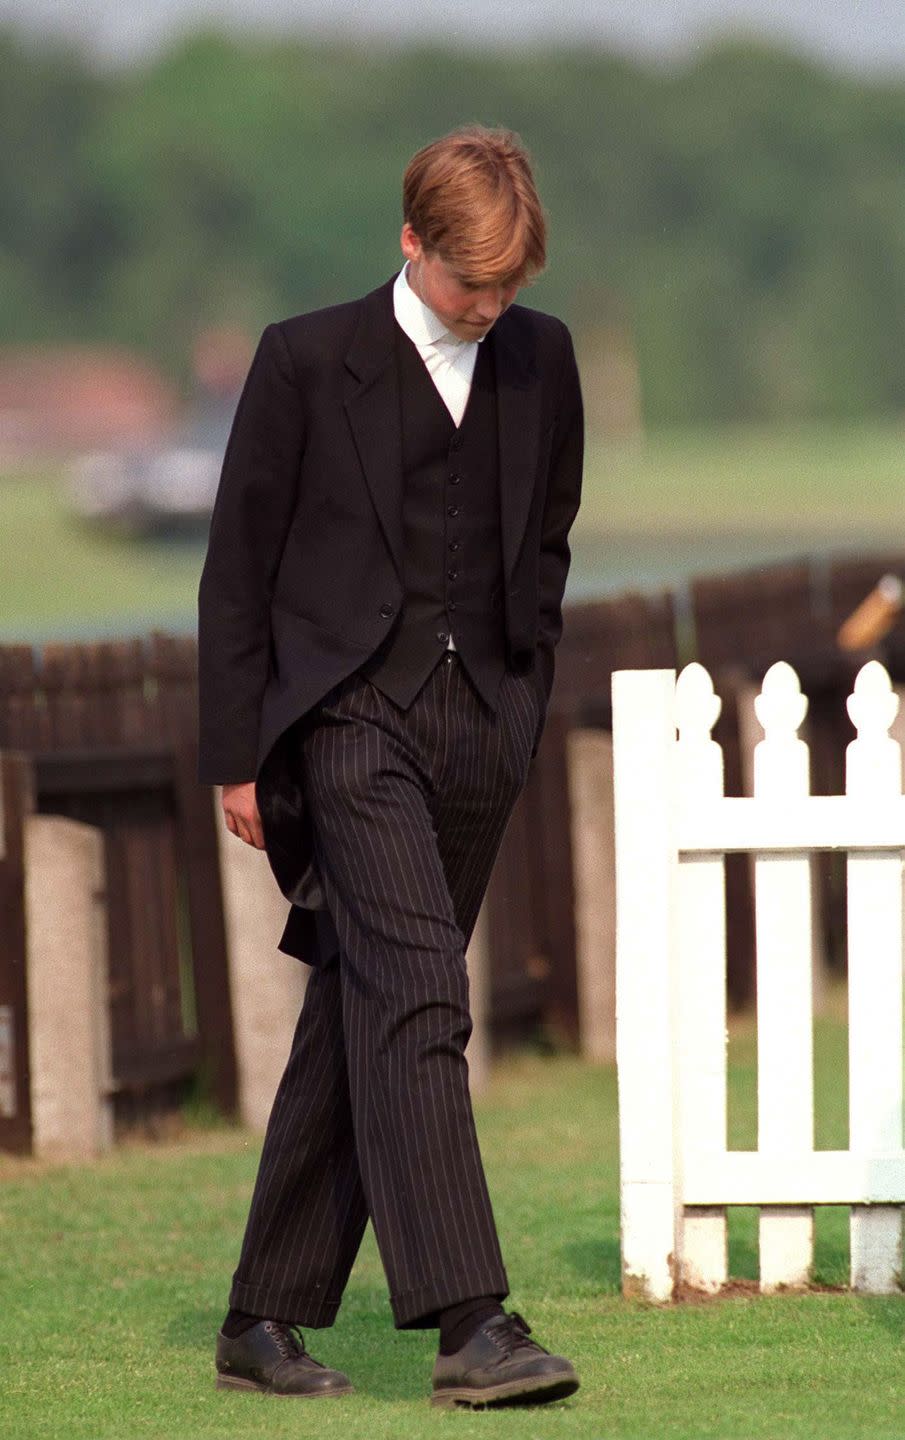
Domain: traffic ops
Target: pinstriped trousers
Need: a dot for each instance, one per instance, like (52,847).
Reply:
(373,1115)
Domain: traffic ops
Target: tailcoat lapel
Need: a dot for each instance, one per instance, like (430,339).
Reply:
(372,407)
(518,410)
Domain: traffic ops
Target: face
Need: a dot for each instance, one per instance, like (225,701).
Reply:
(467,310)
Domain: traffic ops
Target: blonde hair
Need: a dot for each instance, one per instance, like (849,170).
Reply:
(470,197)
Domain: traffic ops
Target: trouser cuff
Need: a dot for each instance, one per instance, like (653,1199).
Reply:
(314,1312)
(417,1309)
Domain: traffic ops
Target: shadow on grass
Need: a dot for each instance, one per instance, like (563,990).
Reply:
(597,1260)
(382,1362)
(887,1312)
(194,1329)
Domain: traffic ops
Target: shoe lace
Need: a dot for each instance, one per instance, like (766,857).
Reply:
(512,1333)
(288,1338)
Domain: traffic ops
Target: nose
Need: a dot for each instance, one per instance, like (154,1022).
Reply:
(491,303)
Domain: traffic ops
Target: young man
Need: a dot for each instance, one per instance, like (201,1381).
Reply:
(378,613)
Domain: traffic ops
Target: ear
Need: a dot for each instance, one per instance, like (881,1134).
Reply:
(412,248)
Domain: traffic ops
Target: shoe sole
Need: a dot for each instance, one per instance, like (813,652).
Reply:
(236,1382)
(528,1392)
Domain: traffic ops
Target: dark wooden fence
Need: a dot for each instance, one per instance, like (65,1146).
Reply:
(737,625)
(743,623)
(106,733)
(534,982)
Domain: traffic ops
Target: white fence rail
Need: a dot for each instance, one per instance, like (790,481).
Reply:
(673,828)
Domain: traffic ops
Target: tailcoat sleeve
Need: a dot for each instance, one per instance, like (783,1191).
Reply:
(251,516)
(563,497)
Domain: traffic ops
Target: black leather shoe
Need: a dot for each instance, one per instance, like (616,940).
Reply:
(272,1358)
(498,1364)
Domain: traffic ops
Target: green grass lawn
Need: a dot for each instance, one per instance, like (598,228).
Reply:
(114,1280)
(683,502)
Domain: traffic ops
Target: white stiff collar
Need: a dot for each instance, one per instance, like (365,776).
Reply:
(417,319)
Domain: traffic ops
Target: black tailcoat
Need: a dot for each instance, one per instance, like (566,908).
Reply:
(303,576)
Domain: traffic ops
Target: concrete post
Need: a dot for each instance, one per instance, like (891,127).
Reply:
(267,987)
(477,960)
(68,1000)
(590,760)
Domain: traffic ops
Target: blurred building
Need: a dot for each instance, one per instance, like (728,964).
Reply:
(58,399)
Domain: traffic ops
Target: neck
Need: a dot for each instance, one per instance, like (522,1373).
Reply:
(413,280)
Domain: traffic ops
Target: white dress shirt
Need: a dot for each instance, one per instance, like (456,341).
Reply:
(449,360)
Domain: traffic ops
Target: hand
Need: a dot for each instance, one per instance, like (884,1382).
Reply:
(241,810)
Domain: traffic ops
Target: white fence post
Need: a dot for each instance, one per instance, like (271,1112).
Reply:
(785,1045)
(644,744)
(701,959)
(873,772)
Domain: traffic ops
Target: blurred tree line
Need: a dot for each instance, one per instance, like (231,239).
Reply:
(737,225)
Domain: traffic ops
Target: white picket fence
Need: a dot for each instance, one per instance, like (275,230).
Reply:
(673,828)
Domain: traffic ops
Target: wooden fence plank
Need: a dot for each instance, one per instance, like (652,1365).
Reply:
(210,965)
(23,714)
(552,891)
(16,803)
(630,631)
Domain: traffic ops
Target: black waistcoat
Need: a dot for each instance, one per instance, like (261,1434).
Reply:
(451,529)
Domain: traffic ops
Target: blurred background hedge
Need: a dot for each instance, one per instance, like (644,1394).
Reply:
(739,219)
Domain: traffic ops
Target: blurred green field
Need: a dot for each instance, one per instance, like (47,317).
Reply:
(63,578)
(808,481)
(680,503)
(697,502)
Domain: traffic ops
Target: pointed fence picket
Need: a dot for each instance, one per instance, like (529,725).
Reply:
(674,826)
(782,910)
(874,887)
(701,960)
